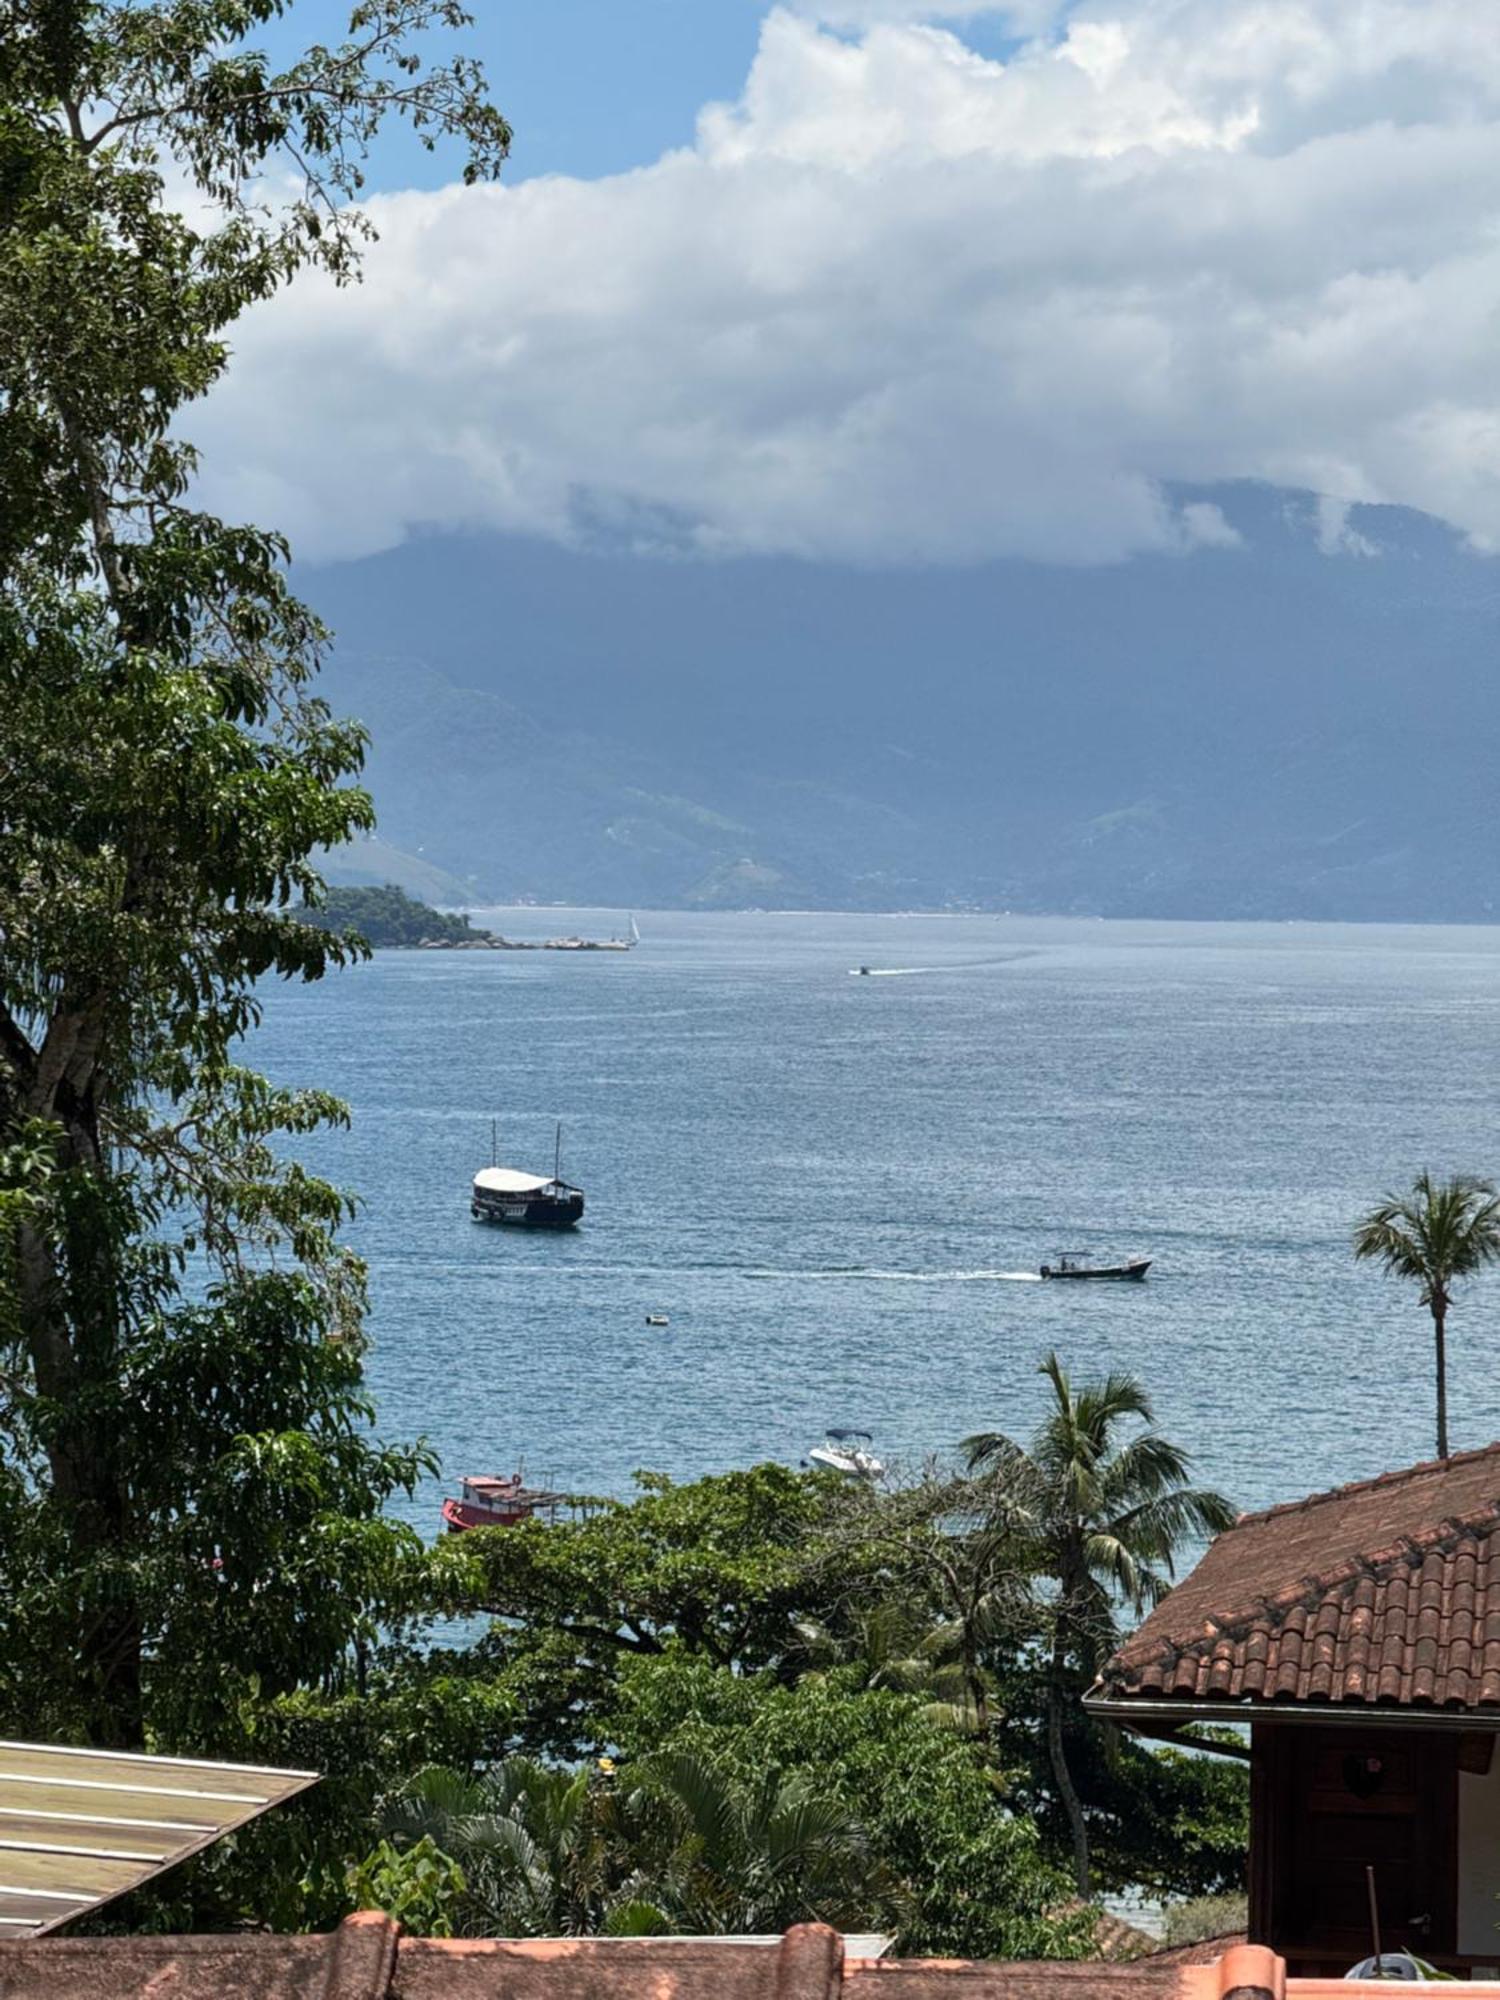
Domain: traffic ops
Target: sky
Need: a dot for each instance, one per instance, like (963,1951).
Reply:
(872,283)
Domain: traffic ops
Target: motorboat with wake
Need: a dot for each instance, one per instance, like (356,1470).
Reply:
(1075,1264)
(847,1452)
(525,1201)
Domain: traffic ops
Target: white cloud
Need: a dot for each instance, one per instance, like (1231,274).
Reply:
(1018,16)
(1205,527)
(902,303)
(1336,534)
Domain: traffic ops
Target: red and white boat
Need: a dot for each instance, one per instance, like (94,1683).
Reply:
(490,1502)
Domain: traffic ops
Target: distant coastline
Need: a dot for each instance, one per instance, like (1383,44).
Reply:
(387,919)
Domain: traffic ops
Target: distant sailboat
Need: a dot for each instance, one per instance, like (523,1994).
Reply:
(635,935)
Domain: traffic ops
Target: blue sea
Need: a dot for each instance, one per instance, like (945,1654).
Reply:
(839,1189)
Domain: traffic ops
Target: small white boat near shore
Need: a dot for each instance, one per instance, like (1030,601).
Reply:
(847,1452)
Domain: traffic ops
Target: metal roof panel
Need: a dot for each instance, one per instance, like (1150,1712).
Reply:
(78,1827)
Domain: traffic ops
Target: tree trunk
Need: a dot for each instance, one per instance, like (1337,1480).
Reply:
(1439,1333)
(69,1311)
(1072,1805)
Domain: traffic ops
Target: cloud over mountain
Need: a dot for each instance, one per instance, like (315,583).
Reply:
(902,303)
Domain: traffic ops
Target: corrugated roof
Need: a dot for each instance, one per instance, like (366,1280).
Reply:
(1386,1592)
(80,1826)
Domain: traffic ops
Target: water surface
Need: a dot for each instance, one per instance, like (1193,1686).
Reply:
(836,1186)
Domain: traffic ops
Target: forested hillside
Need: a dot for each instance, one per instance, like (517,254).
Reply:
(1253,730)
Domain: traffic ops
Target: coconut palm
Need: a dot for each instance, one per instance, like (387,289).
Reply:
(1100,1517)
(905,1647)
(1440,1232)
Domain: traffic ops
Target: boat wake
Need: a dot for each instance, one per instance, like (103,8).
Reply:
(863,1276)
(958,965)
(660,1274)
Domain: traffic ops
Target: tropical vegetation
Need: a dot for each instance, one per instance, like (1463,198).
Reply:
(1438,1234)
(1100,1515)
(725,1704)
(386,916)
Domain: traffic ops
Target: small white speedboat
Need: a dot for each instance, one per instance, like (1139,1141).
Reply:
(847,1452)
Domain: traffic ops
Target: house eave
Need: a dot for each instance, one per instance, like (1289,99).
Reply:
(1125,1709)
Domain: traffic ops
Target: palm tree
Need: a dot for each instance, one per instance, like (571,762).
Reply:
(908,1648)
(1101,1518)
(760,1853)
(542,1849)
(547,1851)
(1441,1231)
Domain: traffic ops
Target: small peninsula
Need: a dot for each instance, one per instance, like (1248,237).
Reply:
(390,919)
(387,916)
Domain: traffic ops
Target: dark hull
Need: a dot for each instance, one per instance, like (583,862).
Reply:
(529,1211)
(1134,1271)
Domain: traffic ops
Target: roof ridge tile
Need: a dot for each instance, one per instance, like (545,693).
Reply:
(1396,1477)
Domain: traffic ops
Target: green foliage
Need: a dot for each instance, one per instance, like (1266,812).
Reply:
(1095,1516)
(721,1568)
(1171,1822)
(966,1874)
(677,1844)
(546,1851)
(387,916)
(191,1494)
(1442,1231)
(417,1885)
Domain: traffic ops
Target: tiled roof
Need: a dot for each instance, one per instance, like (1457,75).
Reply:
(1113,1937)
(369,1959)
(1386,1592)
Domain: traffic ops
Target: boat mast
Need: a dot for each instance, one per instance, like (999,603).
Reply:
(557,1156)
(494,1142)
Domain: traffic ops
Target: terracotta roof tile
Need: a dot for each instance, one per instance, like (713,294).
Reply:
(1385,1592)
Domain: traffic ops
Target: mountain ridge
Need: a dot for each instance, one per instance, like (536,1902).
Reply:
(1264,730)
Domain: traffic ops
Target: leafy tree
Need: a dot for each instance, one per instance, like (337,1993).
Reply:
(1442,1231)
(1171,1822)
(890,1645)
(723,1568)
(181,1411)
(966,1874)
(1102,1517)
(934,1593)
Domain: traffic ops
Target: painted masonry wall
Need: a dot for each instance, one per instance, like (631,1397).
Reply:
(1479,1865)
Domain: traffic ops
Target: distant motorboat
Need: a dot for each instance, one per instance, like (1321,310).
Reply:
(657,1319)
(847,1452)
(525,1201)
(1076,1265)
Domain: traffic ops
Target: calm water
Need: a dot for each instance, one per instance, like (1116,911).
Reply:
(830,1184)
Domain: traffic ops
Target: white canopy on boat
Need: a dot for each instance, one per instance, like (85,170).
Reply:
(505,1180)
